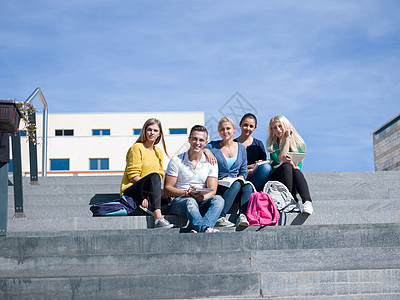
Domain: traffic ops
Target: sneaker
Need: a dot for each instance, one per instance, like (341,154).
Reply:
(211,230)
(242,221)
(223,222)
(293,206)
(307,208)
(193,231)
(163,223)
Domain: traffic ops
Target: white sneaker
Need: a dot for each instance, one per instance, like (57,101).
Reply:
(242,221)
(223,222)
(307,208)
(163,223)
(211,230)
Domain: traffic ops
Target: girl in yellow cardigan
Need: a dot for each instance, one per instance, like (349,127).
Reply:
(144,171)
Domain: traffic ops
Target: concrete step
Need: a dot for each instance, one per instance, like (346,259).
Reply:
(327,259)
(69,189)
(357,176)
(59,200)
(256,261)
(342,217)
(82,220)
(163,286)
(354,194)
(55,207)
(366,284)
(75,180)
(134,242)
(125,264)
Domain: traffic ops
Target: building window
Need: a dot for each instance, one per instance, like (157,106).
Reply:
(64,132)
(99,164)
(178,131)
(100,131)
(10,166)
(22,133)
(59,164)
(136,131)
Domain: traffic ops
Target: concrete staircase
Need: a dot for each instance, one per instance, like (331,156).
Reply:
(350,247)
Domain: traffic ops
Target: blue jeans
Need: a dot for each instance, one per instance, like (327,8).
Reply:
(230,194)
(201,215)
(260,177)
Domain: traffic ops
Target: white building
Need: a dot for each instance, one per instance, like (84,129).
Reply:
(97,143)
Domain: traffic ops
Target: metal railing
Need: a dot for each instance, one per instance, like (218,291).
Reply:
(35,93)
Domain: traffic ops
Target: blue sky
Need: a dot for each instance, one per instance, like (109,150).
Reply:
(332,67)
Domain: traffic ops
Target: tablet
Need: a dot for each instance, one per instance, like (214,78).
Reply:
(297,157)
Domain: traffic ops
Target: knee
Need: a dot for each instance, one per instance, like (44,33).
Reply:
(191,203)
(286,167)
(236,186)
(155,177)
(218,201)
(247,188)
(265,169)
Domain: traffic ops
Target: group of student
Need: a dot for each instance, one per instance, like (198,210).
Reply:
(192,178)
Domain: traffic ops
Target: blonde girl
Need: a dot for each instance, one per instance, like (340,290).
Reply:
(282,139)
(232,163)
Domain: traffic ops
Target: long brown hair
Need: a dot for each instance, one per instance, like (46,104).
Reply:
(142,136)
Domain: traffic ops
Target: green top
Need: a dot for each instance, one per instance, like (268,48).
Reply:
(275,159)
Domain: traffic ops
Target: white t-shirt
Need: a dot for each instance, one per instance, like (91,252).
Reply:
(181,168)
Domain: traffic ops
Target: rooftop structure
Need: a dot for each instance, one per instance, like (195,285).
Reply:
(387,146)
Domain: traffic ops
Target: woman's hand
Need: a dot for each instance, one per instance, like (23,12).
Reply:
(210,156)
(145,203)
(289,133)
(288,159)
(250,169)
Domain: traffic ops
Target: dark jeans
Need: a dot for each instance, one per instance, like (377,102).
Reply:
(148,187)
(294,181)
(231,193)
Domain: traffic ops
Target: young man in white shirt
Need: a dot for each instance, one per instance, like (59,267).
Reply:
(186,174)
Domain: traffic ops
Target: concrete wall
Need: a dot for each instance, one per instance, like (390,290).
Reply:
(387,146)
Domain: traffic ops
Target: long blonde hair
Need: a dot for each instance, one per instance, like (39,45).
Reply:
(142,137)
(296,142)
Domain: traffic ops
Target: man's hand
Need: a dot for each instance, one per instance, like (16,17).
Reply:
(197,196)
(191,192)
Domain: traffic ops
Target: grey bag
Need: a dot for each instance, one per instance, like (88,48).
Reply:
(283,199)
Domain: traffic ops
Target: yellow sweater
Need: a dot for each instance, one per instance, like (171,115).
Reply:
(141,162)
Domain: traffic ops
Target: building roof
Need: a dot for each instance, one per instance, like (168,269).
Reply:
(383,127)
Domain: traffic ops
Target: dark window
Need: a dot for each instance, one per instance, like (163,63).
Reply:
(59,164)
(178,131)
(68,132)
(136,131)
(64,132)
(22,132)
(10,166)
(99,163)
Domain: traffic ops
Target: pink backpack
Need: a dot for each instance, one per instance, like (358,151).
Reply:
(261,210)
